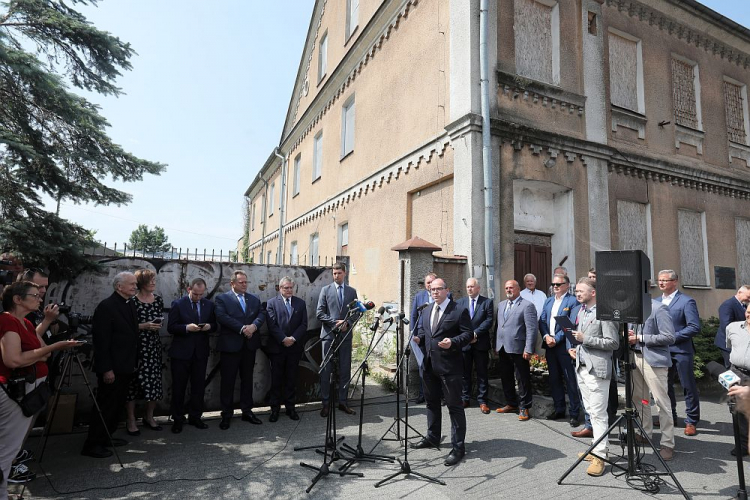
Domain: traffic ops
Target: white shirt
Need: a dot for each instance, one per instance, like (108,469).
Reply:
(554,312)
(537,297)
(667,299)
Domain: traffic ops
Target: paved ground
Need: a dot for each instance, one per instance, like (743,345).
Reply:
(505,459)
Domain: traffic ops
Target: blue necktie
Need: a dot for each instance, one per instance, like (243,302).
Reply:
(242,301)
(507,309)
(471,310)
(288,307)
(341,295)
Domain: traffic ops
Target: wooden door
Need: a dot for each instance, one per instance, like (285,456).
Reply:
(534,259)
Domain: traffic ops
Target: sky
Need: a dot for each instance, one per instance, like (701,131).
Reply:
(207,95)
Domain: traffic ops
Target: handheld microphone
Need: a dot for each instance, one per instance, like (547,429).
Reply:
(426,304)
(727,378)
(378,317)
(362,306)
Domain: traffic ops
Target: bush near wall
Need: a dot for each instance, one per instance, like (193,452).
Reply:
(705,350)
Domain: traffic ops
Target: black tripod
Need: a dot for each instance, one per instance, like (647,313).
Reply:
(330,438)
(634,468)
(358,454)
(65,374)
(397,421)
(405,468)
(742,491)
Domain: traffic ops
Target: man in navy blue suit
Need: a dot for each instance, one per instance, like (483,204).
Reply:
(422,297)
(444,329)
(561,367)
(287,325)
(476,353)
(191,320)
(240,315)
(731,310)
(687,325)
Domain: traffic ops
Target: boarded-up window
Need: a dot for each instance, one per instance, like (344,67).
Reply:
(314,255)
(632,225)
(691,228)
(735,110)
(743,255)
(623,72)
(294,254)
(537,35)
(684,94)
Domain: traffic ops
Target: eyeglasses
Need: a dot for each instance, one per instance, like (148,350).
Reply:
(665,281)
(558,284)
(35,295)
(437,289)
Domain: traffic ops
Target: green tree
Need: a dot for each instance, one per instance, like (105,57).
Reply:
(53,141)
(148,240)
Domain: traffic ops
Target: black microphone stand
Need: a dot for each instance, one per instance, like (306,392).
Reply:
(405,468)
(742,491)
(330,438)
(630,416)
(358,454)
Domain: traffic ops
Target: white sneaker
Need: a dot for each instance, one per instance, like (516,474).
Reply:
(20,474)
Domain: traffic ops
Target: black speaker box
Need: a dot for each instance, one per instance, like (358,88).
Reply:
(622,286)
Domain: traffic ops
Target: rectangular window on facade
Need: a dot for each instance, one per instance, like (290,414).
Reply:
(314,256)
(322,56)
(537,37)
(293,254)
(634,228)
(735,108)
(271,198)
(691,227)
(347,127)
(352,16)
(343,245)
(264,208)
(268,258)
(317,155)
(686,93)
(742,227)
(626,72)
(297,168)
(252,218)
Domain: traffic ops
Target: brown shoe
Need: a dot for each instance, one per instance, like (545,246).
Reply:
(346,409)
(640,439)
(596,468)
(583,433)
(507,409)
(588,458)
(485,409)
(690,430)
(524,415)
(666,453)
(467,404)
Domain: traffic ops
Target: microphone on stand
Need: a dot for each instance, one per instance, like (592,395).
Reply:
(378,317)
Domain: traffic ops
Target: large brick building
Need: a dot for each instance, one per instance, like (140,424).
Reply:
(615,124)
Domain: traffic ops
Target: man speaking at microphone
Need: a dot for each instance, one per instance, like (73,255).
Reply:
(332,312)
(444,330)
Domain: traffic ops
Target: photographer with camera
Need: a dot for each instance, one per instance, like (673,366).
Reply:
(43,319)
(22,370)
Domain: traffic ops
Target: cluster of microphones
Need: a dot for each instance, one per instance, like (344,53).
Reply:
(386,316)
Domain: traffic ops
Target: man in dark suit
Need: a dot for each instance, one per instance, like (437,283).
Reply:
(420,298)
(240,315)
(731,310)
(444,330)
(287,325)
(476,352)
(191,319)
(332,312)
(687,325)
(562,371)
(517,329)
(115,337)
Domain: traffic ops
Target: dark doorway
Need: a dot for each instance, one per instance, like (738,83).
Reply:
(533,254)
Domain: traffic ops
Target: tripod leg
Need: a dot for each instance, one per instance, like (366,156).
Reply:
(663,463)
(590,448)
(51,414)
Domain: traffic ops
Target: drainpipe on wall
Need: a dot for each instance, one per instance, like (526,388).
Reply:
(282,203)
(489,254)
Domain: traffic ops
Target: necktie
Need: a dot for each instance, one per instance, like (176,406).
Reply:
(341,296)
(195,310)
(435,318)
(471,310)
(507,309)
(288,307)
(242,301)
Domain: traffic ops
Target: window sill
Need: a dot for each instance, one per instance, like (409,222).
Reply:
(347,155)
(295,195)
(697,287)
(316,179)
(687,135)
(548,94)
(351,35)
(320,80)
(623,117)
(738,150)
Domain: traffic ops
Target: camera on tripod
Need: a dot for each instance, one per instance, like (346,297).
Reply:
(74,319)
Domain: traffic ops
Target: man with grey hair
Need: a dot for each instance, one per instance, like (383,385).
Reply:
(115,337)
(530,293)
(731,310)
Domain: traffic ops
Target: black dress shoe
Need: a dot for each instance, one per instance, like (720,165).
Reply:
(198,423)
(250,417)
(133,433)
(96,451)
(324,411)
(556,415)
(574,422)
(119,442)
(454,457)
(292,413)
(425,443)
(225,421)
(346,409)
(734,452)
(274,416)
(419,400)
(177,426)
(147,425)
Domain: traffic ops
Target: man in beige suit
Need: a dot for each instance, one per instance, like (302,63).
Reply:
(594,366)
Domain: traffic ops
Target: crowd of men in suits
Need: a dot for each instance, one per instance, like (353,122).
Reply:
(457,337)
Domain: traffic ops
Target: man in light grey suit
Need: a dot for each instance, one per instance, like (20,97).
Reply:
(517,330)
(332,312)
(594,367)
(652,361)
